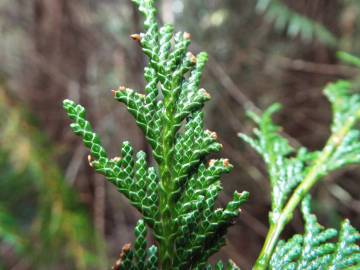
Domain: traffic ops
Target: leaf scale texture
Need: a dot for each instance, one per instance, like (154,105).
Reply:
(316,248)
(176,197)
(288,167)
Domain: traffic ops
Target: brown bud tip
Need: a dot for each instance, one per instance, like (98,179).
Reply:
(126,248)
(226,163)
(89,160)
(191,57)
(113,92)
(205,93)
(187,35)
(212,162)
(117,265)
(136,37)
(212,134)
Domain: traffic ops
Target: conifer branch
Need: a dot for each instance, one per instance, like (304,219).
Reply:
(177,197)
(316,248)
(293,178)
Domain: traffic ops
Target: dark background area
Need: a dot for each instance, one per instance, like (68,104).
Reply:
(55,212)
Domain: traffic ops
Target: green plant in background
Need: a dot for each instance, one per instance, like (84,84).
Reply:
(40,219)
(294,24)
(349,59)
(177,197)
(292,175)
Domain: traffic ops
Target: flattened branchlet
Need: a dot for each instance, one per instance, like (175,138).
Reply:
(177,197)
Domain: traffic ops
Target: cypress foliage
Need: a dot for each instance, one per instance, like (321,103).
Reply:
(294,172)
(177,197)
(316,249)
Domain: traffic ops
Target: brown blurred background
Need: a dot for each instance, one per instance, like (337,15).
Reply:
(55,212)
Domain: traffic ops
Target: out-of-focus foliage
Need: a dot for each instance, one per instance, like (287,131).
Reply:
(10,232)
(294,173)
(293,23)
(349,59)
(40,218)
(288,168)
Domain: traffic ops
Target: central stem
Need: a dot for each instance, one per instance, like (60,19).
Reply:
(312,177)
(167,204)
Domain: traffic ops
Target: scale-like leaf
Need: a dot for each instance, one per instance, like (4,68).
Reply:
(285,166)
(177,197)
(288,167)
(293,174)
(316,249)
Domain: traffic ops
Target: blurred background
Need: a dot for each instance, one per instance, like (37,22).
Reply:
(55,212)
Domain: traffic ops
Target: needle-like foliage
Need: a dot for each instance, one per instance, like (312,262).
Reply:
(177,197)
(315,249)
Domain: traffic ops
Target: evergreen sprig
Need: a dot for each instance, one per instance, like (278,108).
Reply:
(177,197)
(316,249)
(294,172)
(286,166)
